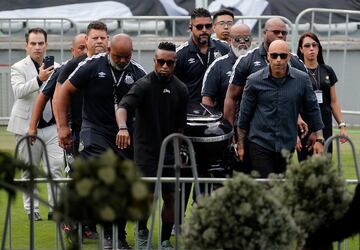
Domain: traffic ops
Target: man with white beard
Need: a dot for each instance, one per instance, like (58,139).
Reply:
(216,79)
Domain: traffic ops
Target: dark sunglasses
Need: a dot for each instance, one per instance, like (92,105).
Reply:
(308,45)
(276,55)
(201,26)
(245,38)
(169,63)
(277,32)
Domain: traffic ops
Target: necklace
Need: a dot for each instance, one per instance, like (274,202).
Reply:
(315,76)
(313,71)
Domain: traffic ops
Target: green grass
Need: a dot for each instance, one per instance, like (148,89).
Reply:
(45,230)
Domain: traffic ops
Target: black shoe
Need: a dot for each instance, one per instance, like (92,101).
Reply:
(123,245)
(107,242)
(50,215)
(37,216)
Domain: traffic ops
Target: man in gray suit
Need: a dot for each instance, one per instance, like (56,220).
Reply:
(27,77)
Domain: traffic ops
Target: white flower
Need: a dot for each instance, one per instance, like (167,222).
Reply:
(107,175)
(84,186)
(139,190)
(107,214)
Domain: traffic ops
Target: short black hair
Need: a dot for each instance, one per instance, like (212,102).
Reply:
(35,30)
(96,25)
(167,46)
(223,12)
(200,12)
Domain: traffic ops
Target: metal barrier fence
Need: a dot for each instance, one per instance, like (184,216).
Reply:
(331,33)
(209,185)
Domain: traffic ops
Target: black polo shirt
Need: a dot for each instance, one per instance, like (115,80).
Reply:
(191,64)
(49,88)
(255,60)
(94,77)
(216,79)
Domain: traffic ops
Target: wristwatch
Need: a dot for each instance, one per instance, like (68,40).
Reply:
(342,124)
(321,140)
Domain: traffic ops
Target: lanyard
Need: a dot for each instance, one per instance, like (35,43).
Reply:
(208,59)
(117,83)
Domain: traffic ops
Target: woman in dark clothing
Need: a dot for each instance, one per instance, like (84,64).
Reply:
(323,79)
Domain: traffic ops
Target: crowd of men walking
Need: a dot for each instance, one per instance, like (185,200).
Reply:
(102,99)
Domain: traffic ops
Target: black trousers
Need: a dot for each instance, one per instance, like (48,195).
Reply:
(94,144)
(265,161)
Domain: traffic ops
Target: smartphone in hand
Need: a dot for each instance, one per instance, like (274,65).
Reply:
(48,61)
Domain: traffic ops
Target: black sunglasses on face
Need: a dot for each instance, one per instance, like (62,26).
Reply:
(308,45)
(169,63)
(276,55)
(201,26)
(245,38)
(277,32)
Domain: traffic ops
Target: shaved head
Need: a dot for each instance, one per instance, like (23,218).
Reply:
(278,46)
(278,57)
(275,29)
(240,39)
(120,51)
(78,45)
(275,21)
(122,40)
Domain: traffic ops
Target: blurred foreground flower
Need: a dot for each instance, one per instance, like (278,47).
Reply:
(314,193)
(104,189)
(240,215)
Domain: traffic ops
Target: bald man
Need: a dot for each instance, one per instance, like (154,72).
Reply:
(254,60)
(216,79)
(271,102)
(103,79)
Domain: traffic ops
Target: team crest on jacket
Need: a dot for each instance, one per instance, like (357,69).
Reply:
(129,79)
(217,54)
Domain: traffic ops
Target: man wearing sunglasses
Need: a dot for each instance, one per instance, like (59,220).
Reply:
(222,21)
(254,60)
(196,55)
(160,102)
(216,79)
(269,110)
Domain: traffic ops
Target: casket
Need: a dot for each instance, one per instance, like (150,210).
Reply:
(210,134)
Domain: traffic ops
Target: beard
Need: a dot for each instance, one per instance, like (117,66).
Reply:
(118,66)
(203,40)
(238,51)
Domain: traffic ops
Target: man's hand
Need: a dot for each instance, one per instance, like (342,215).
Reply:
(240,151)
(64,136)
(343,132)
(45,73)
(32,132)
(303,127)
(310,142)
(123,138)
(298,145)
